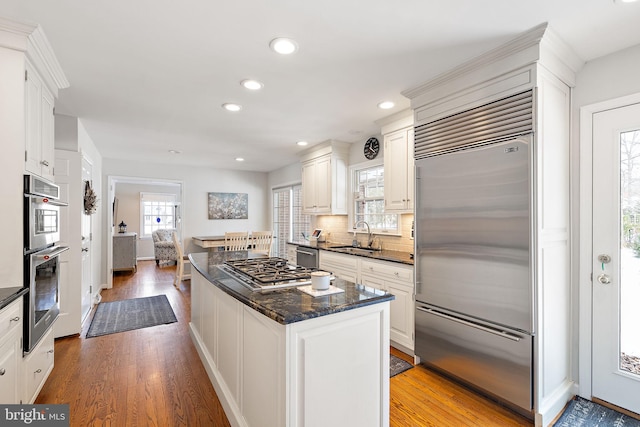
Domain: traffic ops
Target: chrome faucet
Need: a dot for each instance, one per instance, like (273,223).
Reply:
(370,237)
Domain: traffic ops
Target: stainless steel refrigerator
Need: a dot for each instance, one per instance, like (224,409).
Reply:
(474,284)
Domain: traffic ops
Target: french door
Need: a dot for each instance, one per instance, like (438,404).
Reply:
(616,257)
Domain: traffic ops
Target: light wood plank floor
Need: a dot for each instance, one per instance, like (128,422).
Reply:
(154,376)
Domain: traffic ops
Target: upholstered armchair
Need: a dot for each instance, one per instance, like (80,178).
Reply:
(163,246)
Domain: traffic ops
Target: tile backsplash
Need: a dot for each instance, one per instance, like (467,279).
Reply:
(335,228)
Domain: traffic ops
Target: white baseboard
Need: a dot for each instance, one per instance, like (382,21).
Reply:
(553,405)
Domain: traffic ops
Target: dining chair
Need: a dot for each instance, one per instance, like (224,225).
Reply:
(182,259)
(261,242)
(236,241)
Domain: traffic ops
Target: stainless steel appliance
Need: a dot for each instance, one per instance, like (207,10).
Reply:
(474,282)
(307,257)
(41,231)
(267,273)
(42,304)
(42,213)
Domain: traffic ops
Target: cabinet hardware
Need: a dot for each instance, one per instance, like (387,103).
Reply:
(38,371)
(44,163)
(15,319)
(50,351)
(2,371)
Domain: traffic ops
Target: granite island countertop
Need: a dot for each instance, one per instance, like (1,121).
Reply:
(9,295)
(286,305)
(383,255)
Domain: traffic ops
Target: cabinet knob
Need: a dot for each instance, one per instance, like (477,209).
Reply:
(395,273)
(2,371)
(15,319)
(50,351)
(85,249)
(38,371)
(44,163)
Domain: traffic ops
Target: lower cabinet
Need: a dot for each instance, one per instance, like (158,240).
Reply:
(305,373)
(37,366)
(124,251)
(10,352)
(392,277)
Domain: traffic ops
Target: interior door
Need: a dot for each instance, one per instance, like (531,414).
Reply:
(86,246)
(616,257)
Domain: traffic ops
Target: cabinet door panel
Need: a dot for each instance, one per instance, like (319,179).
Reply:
(47,151)
(401,319)
(308,187)
(9,359)
(323,184)
(33,93)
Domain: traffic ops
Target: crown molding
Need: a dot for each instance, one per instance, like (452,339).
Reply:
(31,39)
(539,44)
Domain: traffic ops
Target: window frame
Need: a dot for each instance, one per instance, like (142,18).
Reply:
(353,170)
(157,197)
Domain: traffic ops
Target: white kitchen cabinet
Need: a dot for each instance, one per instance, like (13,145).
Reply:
(39,125)
(397,279)
(392,277)
(269,374)
(10,352)
(37,366)
(399,171)
(324,179)
(342,266)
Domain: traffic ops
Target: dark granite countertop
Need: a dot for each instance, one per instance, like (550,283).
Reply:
(383,255)
(9,295)
(288,305)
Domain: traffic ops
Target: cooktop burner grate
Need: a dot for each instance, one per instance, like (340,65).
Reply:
(270,270)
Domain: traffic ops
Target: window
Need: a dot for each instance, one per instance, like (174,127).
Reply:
(289,223)
(368,201)
(157,211)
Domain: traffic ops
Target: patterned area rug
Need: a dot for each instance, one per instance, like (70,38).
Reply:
(397,366)
(584,413)
(130,314)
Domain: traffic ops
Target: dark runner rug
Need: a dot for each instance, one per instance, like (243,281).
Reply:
(584,413)
(397,366)
(130,314)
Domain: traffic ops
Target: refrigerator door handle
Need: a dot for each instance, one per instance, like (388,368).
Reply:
(467,323)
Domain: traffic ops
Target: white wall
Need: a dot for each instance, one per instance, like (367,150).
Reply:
(197,182)
(602,79)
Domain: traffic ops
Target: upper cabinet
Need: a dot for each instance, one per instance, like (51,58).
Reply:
(324,179)
(31,69)
(39,125)
(398,162)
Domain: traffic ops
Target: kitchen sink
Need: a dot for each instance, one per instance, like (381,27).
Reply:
(354,250)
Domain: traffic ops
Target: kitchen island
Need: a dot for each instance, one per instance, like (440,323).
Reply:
(285,358)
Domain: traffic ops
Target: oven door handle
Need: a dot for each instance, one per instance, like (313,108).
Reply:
(305,252)
(51,252)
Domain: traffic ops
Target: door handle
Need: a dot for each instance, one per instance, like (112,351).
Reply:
(85,249)
(604,279)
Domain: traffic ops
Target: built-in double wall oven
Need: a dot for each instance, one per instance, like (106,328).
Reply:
(41,257)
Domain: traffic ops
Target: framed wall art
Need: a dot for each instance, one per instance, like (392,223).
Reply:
(228,205)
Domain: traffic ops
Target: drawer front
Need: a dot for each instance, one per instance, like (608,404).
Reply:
(11,318)
(345,262)
(391,271)
(38,365)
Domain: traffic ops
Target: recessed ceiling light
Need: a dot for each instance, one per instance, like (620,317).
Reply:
(239,159)
(232,107)
(175,151)
(302,143)
(252,84)
(283,46)
(385,105)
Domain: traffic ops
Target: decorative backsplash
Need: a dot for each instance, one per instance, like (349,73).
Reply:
(335,229)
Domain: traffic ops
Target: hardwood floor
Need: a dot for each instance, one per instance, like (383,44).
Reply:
(154,376)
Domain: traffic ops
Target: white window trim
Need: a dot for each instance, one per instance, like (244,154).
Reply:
(154,197)
(350,203)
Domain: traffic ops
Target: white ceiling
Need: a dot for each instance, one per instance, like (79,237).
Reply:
(148,76)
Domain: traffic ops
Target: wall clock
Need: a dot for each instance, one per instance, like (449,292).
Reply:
(371,148)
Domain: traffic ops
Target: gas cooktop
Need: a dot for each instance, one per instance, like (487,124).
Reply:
(267,273)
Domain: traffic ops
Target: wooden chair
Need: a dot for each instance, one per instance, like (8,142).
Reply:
(236,241)
(181,261)
(261,242)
